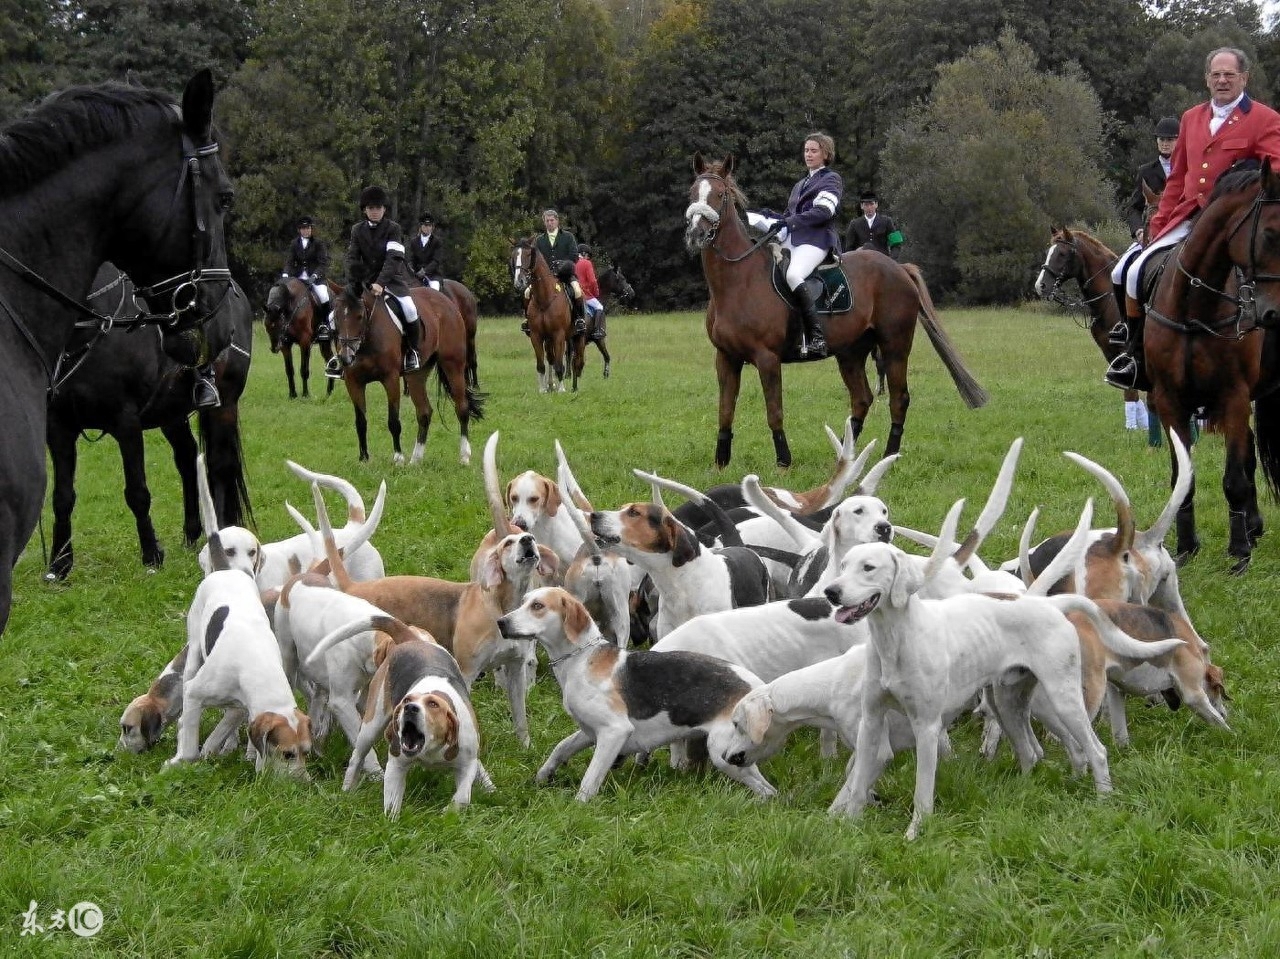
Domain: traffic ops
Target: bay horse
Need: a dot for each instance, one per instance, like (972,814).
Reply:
(1210,341)
(747,322)
(469,307)
(130,385)
(370,351)
(547,309)
(141,181)
(289,319)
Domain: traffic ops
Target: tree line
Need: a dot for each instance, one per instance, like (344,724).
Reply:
(979,122)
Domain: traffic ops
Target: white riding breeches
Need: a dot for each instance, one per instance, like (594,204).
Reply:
(434,284)
(322,292)
(594,305)
(1167,240)
(410,310)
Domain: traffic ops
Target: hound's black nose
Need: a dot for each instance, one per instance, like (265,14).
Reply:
(884,531)
(520,523)
(833,595)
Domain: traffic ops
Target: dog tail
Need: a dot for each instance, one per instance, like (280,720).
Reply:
(1069,557)
(1114,638)
(398,632)
(575,501)
(355,503)
(728,532)
(993,509)
(1024,548)
(804,538)
(209,518)
(492,491)
(1147,538)
(1125,529)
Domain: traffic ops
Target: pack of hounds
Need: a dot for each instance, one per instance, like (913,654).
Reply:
(766,610)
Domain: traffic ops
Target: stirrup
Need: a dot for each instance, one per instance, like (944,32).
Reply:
(333,368)
(204,394)
(323,334)
(814,346)
(579,327)
(412,362)
(524,328)
(1122,372)
(1119,335)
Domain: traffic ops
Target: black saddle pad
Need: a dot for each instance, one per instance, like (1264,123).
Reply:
(837,294)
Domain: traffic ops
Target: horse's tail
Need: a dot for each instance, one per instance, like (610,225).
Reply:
(220,441)
(972,393)
(1266,421)
(475,399)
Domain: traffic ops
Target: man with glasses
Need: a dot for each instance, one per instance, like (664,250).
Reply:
(1211,137)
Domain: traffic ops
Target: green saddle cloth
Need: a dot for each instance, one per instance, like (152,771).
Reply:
(837,294)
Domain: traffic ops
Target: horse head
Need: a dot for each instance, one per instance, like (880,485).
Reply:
(275,315)
(1060,262)
(710,196)
(624,288)
(522,257)
(351,318)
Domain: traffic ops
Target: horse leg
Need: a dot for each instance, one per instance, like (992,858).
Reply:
(128,434)
(463,406)
(579,358)
(416,386)
(355,390)
(899,398)
(729,376)
(287,353)
(326,350)
(853,370)
(183,443)
(559,349)
(1175,415)
(1238,483)
(392,385)
(770,369)
(604,352)
(540,362)
(304,363)
(61,441)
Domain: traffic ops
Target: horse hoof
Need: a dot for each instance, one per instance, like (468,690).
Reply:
(1185,556)
(1240,565)
(606,371)
(398,459)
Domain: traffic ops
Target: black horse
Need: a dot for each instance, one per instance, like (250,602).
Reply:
(129,384)
(612,283)
(129,177)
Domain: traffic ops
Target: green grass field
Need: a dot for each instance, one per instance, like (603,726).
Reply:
(209,860)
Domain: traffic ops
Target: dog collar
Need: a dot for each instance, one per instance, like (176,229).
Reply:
(577,652)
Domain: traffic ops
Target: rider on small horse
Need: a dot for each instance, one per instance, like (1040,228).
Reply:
(426,254)
(308,261)
(808,231)
(375,258)
(585,270)
(560,249)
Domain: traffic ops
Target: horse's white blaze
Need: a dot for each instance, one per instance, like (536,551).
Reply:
(1044,266)
(700,207)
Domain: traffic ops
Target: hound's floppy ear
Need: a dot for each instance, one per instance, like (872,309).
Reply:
(684,545)
(450,715)
(491,573)
(553,498)
(576,618)
(907,579)
(260,731)
(258,560)
(759,717)
(548,562)
(304,730)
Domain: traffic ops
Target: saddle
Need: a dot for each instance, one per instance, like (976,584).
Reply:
(837,292)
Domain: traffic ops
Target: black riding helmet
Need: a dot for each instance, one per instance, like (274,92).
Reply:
(584,250)
(373,196)
(1167,128)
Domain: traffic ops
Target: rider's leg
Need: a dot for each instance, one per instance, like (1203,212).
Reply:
(323,328)
(596,309)
(412,333)
(804,260)
(1127,371)
(204,391)
(578,304)
(1119,334)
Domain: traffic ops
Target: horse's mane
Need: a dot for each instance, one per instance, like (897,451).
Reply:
(73,122)
(1091,240)
(1234,181)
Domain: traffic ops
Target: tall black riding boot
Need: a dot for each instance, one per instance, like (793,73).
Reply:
(579,315)
(1119,334)
(1127,370)
(413,336)
(598,333)
(324,330)
(815,344)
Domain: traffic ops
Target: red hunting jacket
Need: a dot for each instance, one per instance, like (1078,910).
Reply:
(1251,131)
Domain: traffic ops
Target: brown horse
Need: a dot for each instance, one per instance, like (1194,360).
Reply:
(1080,256)
(289,319)
(1209,341)
(748,322)
(547,309)
(469,307)
(369,350)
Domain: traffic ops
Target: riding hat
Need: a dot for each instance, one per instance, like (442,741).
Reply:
(305,221)
(867,196)
(584,250)
(373,196)
(426,220)
(1167,128)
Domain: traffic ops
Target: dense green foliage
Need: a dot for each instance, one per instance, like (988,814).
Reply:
(485,112)
(210,861)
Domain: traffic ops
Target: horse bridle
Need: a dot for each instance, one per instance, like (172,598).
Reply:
(1245,301)
(183,288)
(366,320)
(715,216)
(1056,295)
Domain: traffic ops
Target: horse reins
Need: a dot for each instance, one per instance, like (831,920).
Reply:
(714,233)
(1057,296)
(185,283)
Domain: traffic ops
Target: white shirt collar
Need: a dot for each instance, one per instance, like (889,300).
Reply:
(1224,112)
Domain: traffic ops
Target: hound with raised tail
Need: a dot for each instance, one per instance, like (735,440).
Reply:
(419,698)
(690,578)
(929,658)
(233,662)
(627,701)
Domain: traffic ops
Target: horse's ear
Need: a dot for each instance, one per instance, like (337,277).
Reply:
(1150,196)
(699,163)
(197,105)
(728,164)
